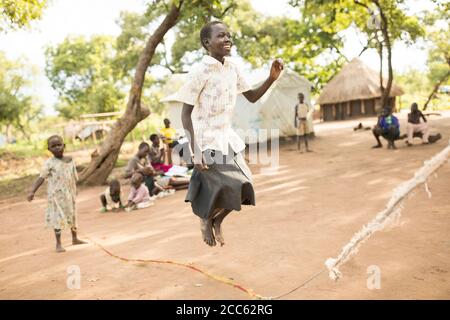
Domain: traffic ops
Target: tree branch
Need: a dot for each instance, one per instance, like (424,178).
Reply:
(362,4)
(436,88)
(166,61)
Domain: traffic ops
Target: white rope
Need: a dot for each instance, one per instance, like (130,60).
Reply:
(390,213)
(427,190)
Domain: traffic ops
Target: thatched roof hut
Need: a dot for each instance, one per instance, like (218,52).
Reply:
(354,92)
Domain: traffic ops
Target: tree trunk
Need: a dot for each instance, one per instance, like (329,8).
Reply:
(102,164)
(380,53)
(435,89)
(387,42)
(8,132)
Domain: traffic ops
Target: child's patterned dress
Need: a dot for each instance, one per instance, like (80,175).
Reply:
(61,191)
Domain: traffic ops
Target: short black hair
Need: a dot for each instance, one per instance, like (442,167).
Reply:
(142,145)
(205,32)
(53,137)
(153,136)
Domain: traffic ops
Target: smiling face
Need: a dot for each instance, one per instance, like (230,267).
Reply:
(56,146)
(219,43)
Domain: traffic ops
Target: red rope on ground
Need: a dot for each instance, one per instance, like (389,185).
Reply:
(185,265)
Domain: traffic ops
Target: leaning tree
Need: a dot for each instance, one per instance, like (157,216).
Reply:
(171,12)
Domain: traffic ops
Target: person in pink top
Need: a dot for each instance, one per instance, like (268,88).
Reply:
(139,196)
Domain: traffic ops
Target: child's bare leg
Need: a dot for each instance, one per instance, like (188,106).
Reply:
(103,200)
(217,225)
(104,203)
(306,143)
(59,247)
(75,239)
(207,233)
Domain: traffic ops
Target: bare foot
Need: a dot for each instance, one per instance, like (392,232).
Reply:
(217,226)
(78,241)
(59,248)
(207,233)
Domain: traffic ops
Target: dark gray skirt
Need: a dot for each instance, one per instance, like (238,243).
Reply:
(227,184)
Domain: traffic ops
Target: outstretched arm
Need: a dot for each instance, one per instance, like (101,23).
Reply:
(35,187)
(275,71)
(423,117)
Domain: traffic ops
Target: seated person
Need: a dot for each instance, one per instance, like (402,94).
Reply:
(156,155)
(155,184)
(415,125)
(139,163)
(139,196)
(388,127)
(111,197)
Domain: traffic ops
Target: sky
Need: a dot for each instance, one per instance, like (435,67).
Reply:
(88,17)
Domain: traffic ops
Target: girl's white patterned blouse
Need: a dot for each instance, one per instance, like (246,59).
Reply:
(211,87)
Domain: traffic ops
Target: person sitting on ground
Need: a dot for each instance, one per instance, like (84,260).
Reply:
(388,127)
(152,178)
(168,136)
(139,163)
(139,196)
(111,197)
(156,155)
(415,125)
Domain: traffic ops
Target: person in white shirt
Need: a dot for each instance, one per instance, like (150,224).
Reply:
(302,110)
(221,180)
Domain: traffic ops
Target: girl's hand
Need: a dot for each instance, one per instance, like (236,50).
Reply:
(30,196)
(201,167)
(275,70)
(200,164)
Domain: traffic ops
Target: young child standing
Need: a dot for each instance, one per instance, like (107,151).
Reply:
(61,190)
(169,134)
(221,180)
(302,110)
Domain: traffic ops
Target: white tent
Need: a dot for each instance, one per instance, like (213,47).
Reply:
(275,110)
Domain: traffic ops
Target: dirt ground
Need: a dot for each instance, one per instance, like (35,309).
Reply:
(305,213)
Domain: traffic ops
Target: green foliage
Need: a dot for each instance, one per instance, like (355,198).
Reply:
(414,83)
(17,106)
(258,38)
(82,72)
(15,14)
(131,41)
(438,36)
